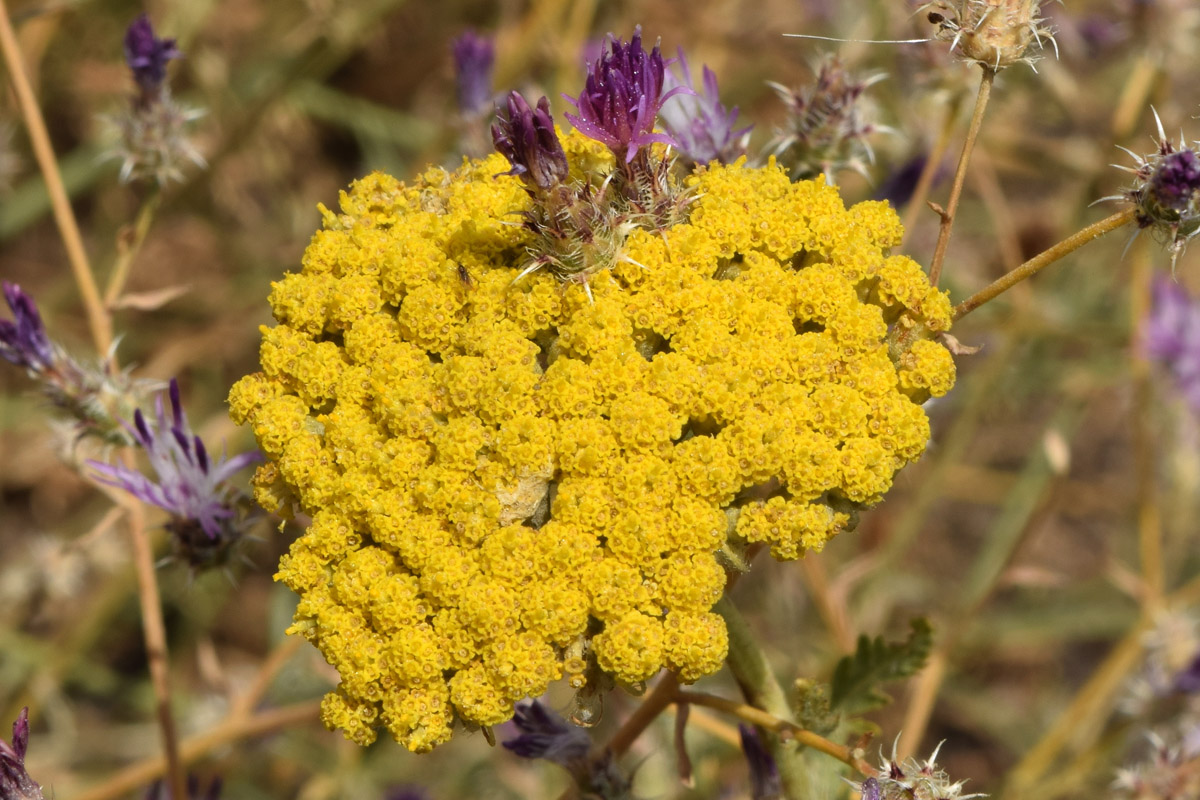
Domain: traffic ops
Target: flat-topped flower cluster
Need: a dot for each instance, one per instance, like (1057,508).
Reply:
(515,477)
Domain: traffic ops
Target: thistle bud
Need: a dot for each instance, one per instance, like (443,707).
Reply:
(1166,192)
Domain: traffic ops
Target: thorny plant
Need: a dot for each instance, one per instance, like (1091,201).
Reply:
(539,415)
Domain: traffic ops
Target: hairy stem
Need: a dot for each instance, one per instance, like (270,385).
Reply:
(960,174)
(1044,259)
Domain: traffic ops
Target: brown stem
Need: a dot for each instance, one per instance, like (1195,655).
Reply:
(960,174)
(662,695)
(98,320)
(1044,259)
(785,729)
(232,730)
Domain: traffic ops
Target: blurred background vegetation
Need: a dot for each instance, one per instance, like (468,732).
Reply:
(1024,534)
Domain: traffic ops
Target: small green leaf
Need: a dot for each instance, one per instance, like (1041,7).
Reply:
(857,678)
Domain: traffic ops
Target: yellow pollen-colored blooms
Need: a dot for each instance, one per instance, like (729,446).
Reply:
(512,481)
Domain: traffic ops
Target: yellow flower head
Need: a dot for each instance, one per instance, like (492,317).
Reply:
(512,476)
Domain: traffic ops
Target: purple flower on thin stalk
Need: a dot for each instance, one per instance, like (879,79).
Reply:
(764,774)
(147,57)
(153,130)
(474,57)
(15,783)
(622,98)
(88,394)
(526,137)
(699,123)
(191,486)
(1171,336)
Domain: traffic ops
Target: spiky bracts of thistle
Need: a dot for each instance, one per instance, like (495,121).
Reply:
(94,396)
(994,33)
(913,779)
(828,124)
(1166,192)
(154,143)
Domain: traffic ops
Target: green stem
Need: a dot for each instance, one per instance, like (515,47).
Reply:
(749,666)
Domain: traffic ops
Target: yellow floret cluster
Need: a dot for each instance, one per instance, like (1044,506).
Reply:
(511,482)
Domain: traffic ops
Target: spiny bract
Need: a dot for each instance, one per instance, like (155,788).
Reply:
(505,474)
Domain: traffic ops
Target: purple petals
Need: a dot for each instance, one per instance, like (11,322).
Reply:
(622,97)
(189,485)
(474,57)
(23,341)
(147,55)
(1171,336)
(701,126)
(526,137)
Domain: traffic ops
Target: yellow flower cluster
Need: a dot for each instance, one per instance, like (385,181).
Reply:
(511,482)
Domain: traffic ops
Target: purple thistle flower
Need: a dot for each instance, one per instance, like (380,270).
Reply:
(190,485)
(764,775)
(474,57)
(622,98)
(23,341)
(545,734)
(147,57)
(1171,336)
(526,137)
(699,123)
(15,783)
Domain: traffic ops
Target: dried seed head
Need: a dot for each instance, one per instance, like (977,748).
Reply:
(995,33)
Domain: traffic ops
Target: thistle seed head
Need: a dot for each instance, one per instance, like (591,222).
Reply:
(994,33)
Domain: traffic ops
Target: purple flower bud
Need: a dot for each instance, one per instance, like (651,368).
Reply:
(191,486)
(1171,336)
(1173,189)
(764,775)
(698,122)
(622,98)
(23,341)
(546,735)
(526,137)
(147,56)
(474,57)
(15,783)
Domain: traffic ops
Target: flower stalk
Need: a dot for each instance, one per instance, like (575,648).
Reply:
(1044,259)
(960,174)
